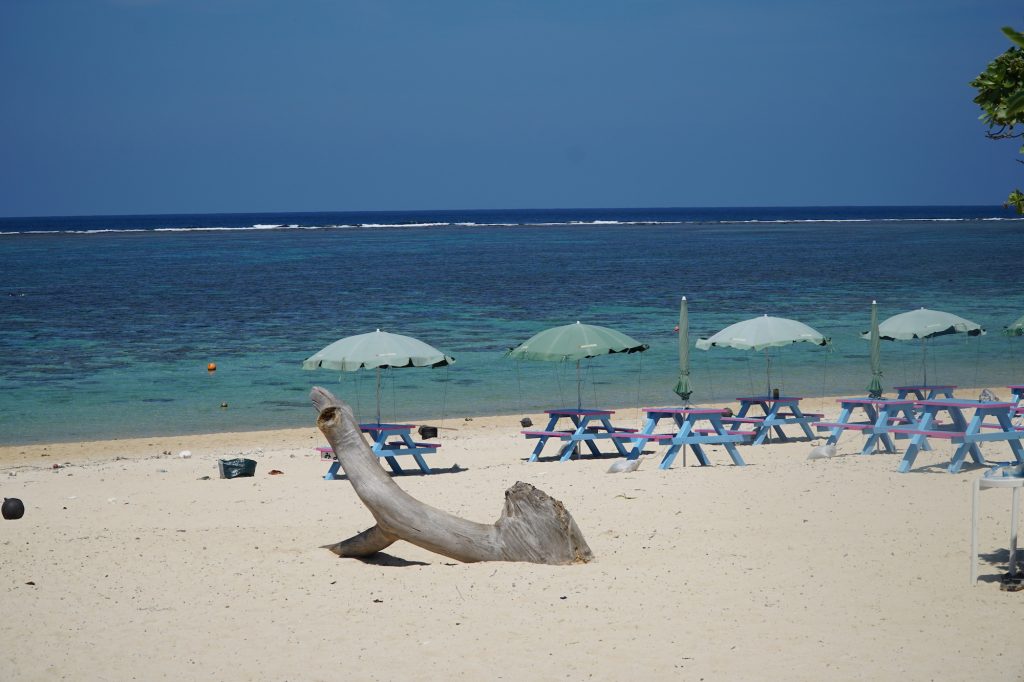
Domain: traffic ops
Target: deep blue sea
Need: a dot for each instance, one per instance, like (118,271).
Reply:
(107,323)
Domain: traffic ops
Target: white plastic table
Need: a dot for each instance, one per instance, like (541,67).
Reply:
(980,484)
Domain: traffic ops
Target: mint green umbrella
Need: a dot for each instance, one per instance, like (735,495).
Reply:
(924,324)
(1016,328)
(762,333)
(683,388)
(377,350)
(875,388)
(575,342)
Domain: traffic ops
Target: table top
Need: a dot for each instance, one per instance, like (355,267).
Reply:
(921,387)
(874,401)
(1001,482)
(964,404)
(386,427)
(581,412)
(683,410)
(770,399)
(1016,387)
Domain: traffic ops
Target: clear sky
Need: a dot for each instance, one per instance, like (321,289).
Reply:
(162,106)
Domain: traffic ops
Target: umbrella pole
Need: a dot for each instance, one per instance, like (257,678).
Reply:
(579,388)
(768,370)
(579,400)
(378,396)
(924,359)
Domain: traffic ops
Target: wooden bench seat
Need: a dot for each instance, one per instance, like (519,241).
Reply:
(952,435)
(645,436)
(728,432)
(547,434)
(853,426)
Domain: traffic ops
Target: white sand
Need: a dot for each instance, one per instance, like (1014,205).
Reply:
(786,569)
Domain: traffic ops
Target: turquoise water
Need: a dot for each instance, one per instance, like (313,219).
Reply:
(108,334)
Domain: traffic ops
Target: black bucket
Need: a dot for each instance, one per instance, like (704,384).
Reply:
(236,468)
(428,432)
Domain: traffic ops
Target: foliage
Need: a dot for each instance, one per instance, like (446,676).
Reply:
(1001,97)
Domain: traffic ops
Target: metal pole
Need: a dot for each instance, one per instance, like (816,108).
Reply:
(378,396)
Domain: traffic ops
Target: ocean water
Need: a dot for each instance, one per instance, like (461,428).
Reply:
(107,323)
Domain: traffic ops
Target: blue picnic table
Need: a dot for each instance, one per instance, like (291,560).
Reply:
(966,433)
(587,426)
(776,412)
(924,392)
(881,416)
(687,432)
(1016,397)
(389,441)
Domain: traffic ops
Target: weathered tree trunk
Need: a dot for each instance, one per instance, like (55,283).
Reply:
(532,527)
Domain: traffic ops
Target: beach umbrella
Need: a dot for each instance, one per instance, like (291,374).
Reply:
(377,350)
(924,324)
(875,388)
(762,333)
(575,342)
(683,388)
(1016,328)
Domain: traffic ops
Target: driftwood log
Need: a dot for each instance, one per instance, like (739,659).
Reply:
(533,526)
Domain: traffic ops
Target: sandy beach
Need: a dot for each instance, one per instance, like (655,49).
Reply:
(131,564)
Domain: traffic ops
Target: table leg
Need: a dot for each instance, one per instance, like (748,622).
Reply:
(1015,512)
(915,441)
(638,444)
(615,441)
(679,441)
(332,472)
(542,441)
(974,531)
(969,429)
(844,418)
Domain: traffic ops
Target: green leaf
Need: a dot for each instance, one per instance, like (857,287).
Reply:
(1017,38)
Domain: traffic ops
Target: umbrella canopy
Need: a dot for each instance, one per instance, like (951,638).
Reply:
(377,350)
(1016,328)
(875,388)
(575,342)
(925,324)
(762,333)
(759,333)
(683,388)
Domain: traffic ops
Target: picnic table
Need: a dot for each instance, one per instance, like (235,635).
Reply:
(587,426)
(1016,397)
(924,392)
(777,411)
(881,416)
(966,433)
(687,432)
(388,441)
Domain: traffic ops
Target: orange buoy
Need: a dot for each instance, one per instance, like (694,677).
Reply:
(212,367)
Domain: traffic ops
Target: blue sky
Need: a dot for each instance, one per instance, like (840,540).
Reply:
(161,106)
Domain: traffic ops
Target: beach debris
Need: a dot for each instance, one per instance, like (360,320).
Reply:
(533,526)
(822,452)
(237,468)
(624,466)
(185,454)
(1012,582)
(275,472)
(13,508)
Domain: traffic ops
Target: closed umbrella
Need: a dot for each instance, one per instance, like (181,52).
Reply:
(575,342)
(924,324)
(377,350)
(762,333)
(683,388)
(875,388)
